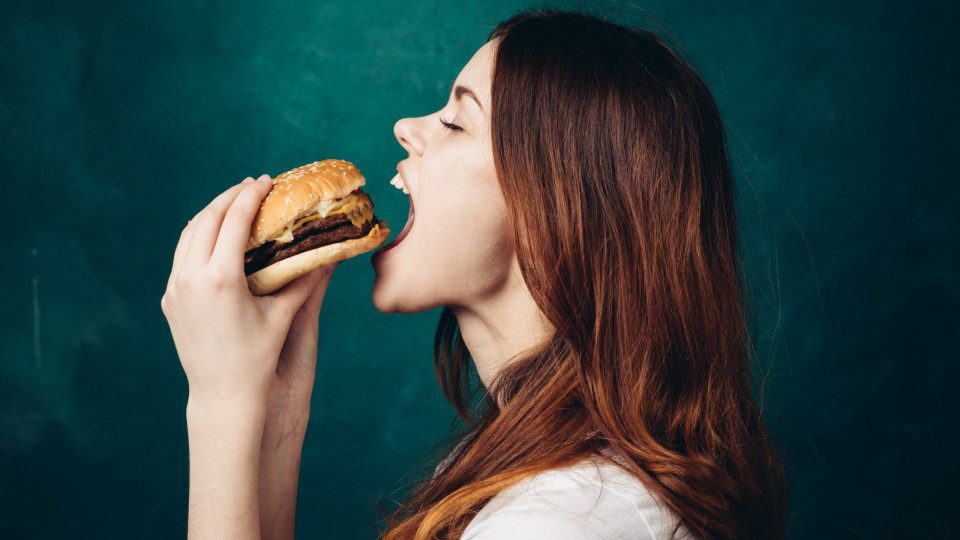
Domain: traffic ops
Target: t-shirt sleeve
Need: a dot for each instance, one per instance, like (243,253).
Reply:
(559,507)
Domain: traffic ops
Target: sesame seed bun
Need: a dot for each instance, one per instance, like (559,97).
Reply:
(295,193)
(300,193)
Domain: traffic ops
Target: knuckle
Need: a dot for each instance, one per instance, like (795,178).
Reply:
(168,302)
(216,277)
(220,278)
(200,218)
(237,216)
(182,281)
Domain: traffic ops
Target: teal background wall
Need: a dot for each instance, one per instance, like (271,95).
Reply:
(120,120)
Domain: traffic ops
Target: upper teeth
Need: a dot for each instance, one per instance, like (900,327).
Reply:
(397,182)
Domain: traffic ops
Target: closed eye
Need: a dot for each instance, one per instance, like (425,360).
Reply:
(451,127)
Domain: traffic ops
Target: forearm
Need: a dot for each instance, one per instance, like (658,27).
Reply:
(279,471)
(224,462)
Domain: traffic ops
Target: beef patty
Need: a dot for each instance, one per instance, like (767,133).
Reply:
(313,234)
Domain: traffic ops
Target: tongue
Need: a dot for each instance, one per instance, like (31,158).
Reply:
(403,233)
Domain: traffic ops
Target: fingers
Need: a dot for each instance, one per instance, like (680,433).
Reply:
(183,244)
(289,299)
(181,249)
(235,231)
(206,226)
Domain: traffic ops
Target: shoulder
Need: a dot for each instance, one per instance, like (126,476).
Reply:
(592,499)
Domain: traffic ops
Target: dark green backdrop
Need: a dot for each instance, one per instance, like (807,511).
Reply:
(120,120)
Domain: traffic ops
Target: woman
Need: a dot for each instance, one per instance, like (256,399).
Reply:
(573,209)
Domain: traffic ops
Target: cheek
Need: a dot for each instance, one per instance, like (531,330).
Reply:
(464,216)
(469,238)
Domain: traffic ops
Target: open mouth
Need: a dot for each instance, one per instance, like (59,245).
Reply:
(398,183)
(403,233)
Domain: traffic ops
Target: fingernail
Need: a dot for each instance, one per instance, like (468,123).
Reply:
(247,180)
(265,177)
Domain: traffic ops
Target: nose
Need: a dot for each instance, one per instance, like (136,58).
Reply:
(409,136)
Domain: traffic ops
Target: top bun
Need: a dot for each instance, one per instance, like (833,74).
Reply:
(296,193)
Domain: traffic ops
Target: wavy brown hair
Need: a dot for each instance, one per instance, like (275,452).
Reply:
(613,161)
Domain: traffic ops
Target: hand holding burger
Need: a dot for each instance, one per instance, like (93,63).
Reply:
(249,360)
(229,341)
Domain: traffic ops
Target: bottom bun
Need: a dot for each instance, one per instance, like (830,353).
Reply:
(274,277)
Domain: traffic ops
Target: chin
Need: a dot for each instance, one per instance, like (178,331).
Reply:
(383,303)
(390,298)
(385,297)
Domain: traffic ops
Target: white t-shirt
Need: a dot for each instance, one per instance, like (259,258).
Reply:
(593,499)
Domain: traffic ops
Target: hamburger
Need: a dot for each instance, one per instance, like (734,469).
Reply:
(313,215)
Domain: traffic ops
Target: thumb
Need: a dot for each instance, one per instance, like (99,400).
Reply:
(289,299)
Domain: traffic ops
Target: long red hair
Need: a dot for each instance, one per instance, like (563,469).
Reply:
(613,161)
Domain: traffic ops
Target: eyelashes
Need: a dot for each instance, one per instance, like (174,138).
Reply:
(451,127)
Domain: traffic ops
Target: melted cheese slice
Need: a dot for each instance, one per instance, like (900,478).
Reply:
(358,209)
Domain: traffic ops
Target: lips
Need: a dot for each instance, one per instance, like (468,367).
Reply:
(399,183)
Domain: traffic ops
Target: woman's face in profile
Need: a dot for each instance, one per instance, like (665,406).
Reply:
(457,248)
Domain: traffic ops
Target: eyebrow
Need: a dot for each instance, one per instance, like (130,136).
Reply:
(459,91)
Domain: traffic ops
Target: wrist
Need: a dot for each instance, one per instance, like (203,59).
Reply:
(224,445)
(201,411)
(291,414)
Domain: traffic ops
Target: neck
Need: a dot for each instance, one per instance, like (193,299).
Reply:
(501,326)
